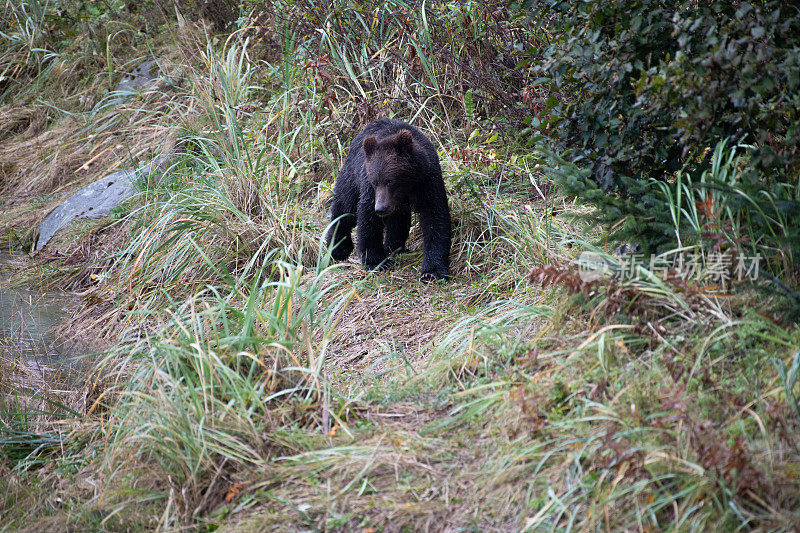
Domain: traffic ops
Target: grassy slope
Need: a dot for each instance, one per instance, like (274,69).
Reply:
(253,387)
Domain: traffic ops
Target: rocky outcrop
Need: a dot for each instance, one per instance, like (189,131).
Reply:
(97,199)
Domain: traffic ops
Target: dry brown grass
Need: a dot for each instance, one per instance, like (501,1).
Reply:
(398,314)
(48,153)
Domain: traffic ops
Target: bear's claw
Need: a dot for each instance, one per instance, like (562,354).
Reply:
(434,274)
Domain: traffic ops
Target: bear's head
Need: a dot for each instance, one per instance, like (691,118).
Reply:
(390,170)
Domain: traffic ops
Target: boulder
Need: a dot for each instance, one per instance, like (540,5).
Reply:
(96,200)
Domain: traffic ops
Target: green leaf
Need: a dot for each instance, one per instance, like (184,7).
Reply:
(469,103)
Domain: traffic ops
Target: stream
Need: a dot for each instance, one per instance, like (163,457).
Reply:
(28,318)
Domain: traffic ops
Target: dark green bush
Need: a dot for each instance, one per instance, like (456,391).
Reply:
(645,88)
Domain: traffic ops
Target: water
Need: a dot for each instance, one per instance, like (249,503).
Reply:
(28,318)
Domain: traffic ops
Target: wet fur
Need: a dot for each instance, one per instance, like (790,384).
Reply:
(398,160)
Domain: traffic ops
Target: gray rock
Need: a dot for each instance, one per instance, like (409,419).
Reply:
(143,75)
(97,199)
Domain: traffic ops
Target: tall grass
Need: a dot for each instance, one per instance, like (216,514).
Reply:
(25,47)
(718,209)
(198,393)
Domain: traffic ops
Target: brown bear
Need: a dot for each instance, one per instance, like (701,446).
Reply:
(391,169)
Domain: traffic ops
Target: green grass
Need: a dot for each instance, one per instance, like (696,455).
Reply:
(249,384)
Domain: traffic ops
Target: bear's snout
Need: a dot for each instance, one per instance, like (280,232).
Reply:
(383,203)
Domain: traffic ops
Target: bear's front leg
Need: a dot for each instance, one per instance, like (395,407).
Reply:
(370,236)
(436,236)
(343,216)
(398,226)
(339,239)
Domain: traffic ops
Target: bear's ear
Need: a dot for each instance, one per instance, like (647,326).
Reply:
(369,145)
(405,142)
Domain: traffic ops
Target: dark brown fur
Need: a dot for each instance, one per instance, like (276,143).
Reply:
(390,170)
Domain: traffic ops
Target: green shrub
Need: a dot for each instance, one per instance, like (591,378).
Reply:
(649,87)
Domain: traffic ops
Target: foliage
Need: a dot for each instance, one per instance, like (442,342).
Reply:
(649,87)
(448,63)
